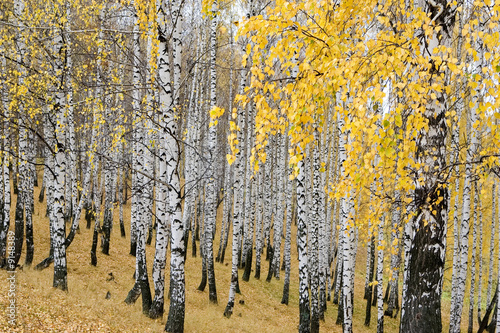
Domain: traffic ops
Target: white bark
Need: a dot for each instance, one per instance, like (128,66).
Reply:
(427,232)
(165,102)
(139,193)
(59,119)
(281,176)
(304,306)
(324,225)
(229,170)
(380,274)
(461,272)
(175,322)
(71,139)
(191,156)
(472,289)
(347,230)
(314,231)
(5,223)
(497,326)
(479,210)
(395,252)
(288,240)
(248,224)
(211,194)
(330,248)
(239,169)
(259,236)
(267,203)
(492,242)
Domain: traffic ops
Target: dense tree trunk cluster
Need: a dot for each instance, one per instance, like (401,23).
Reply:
(148,102)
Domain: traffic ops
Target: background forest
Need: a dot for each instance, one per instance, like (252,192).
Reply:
(302,164)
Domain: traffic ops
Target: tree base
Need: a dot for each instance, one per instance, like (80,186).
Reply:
(44,264)
(133,294)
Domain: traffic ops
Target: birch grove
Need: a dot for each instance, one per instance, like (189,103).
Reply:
(316,146)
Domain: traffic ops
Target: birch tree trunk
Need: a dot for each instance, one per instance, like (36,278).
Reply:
(427,233)
(492,241)
(479,209)
(48,180)
(5,222)
(280,209)
(393,302)
(259,236)
(75,210)
(267,206)
(71,140)
(288,240)
(238,214)
(211,193)
(97,202)
(314,235)
(121,175)
(108,205)
(161,190)
(380,272)
(370,266)
(149,138)
(472,289)
(461,272)
(29,205)
(455,138)
(22,171)
(100,110)
(138,219)
(324,223)
(249,196)
(229,170)
(191,161)
(22,188)
(347,230)
(58,118)
(78,210)
(239,169)
(26,152)
(349,260)
(249,235)
(108,170)
(304,305)
(175,321)
(369,288)
(496,322)
(332,212)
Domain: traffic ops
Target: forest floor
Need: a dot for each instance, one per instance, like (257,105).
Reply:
(84,308)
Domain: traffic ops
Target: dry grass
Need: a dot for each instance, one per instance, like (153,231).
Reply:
(41,308)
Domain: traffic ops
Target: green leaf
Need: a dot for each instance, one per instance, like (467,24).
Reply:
(398,120)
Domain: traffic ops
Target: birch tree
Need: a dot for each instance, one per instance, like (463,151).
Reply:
(428,229)
(57,115)
(211,194)
(168,136)
(5,223)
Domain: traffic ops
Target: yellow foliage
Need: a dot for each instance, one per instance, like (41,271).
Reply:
(375,77)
